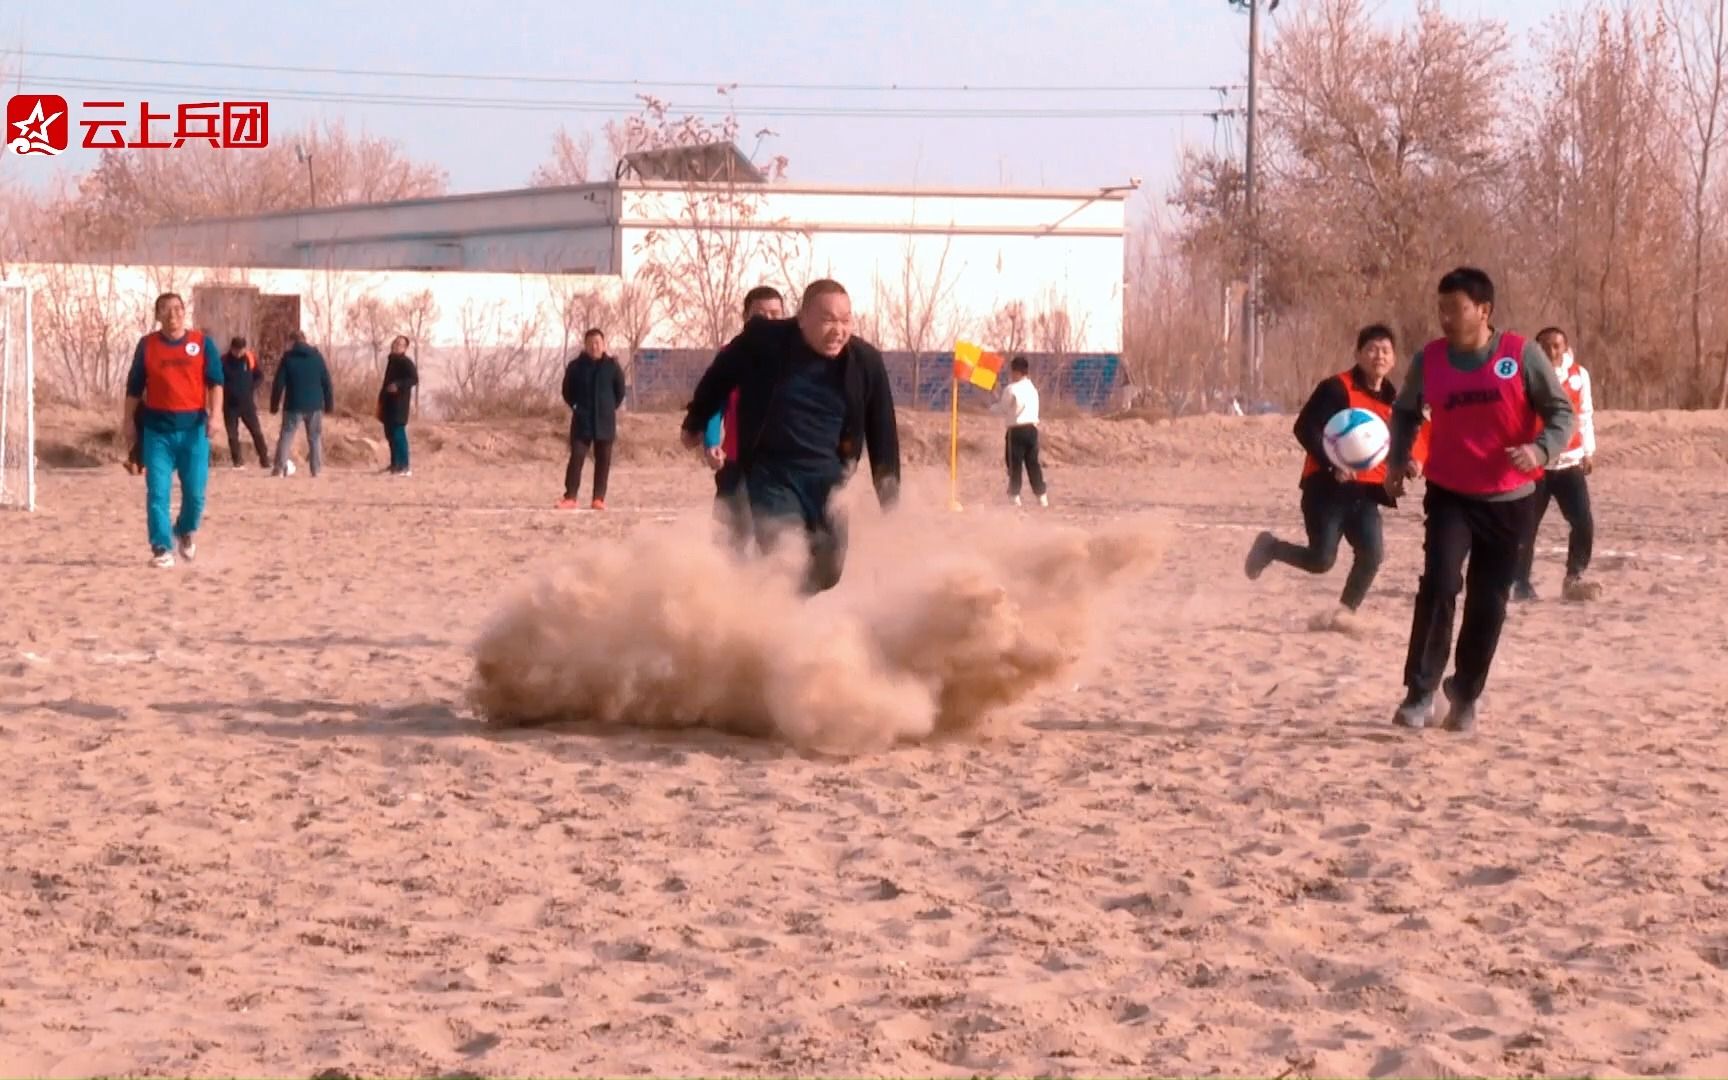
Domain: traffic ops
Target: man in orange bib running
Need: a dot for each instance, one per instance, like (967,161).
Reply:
(1498,416)
(1336,503)
(175,391)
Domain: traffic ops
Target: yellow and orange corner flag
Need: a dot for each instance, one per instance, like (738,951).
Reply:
(973,365)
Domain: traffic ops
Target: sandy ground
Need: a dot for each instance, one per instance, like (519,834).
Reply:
(254,828)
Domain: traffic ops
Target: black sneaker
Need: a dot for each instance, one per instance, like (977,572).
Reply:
(1523,593)
(1259,556)
(1461,716)
(1417,710)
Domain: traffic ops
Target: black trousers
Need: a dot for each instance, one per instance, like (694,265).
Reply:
(1331,512)
(1571,489)
(731,504)
(579,450)
(244,411)
(786,495)
(1022,455)
(1490,536)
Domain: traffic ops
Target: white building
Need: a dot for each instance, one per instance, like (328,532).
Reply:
(1039,272)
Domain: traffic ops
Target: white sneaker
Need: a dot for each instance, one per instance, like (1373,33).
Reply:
(188,548)
(1043,500)
(1017,500)
(162,561)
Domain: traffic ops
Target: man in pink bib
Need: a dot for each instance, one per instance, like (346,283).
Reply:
(1499,415)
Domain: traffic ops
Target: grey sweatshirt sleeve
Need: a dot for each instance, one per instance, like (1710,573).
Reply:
(1406,416)
(1548,398)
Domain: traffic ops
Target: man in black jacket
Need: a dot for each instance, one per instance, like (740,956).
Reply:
(240,401)
(594,389)
(400,379)
(1338,504)
(304,393)
(812,398)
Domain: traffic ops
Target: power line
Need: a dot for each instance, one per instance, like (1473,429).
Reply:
(710,84)
(613,107)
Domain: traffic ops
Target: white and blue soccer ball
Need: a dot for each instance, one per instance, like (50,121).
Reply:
(1357,440)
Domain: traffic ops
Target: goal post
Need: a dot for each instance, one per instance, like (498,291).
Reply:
(17,399)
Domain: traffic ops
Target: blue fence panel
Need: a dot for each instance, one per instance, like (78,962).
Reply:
(664,378)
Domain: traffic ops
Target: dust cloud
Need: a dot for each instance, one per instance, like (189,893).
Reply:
(940,621)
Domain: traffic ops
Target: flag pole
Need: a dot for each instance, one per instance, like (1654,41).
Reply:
(954,444)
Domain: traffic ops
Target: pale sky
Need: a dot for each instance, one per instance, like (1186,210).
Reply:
(985,43)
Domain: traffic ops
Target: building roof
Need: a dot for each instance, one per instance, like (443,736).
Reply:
(719,162)
(785,187)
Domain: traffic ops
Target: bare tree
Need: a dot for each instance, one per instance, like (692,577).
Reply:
(370,323)
(917,306)
(86,329)
(1008,328)
(1701,50)
(498,368)
(1382,153)
(578,306)
(637,311)
(414,313)
(716,241)
(127,191)
(568,163)
(1594,170)
(1054,328)
(327,302)
(1174,318)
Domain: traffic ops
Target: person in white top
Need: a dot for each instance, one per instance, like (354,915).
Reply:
(1565,480)
(1019,403)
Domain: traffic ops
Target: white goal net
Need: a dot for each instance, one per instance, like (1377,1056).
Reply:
(17,400)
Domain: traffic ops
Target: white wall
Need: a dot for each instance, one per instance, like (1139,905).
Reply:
(478,310)
(133,288)
(978,251)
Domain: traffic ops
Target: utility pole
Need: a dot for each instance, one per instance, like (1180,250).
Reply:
(305,157)
(1253,380)
(1251,197)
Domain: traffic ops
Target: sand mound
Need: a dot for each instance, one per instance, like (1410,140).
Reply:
(673,632)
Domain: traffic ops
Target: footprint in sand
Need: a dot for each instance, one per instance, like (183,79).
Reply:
(1490,875)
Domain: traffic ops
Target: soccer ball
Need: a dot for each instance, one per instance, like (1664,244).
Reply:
(1357,440)
(288,467)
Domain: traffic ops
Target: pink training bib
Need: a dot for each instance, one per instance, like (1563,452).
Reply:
(1477,416)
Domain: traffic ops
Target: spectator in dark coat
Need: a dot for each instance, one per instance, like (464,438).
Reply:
(303,392)
(240,401)
(394,397)
(594,389)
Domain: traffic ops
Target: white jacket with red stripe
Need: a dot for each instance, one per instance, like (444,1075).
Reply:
(1576,382)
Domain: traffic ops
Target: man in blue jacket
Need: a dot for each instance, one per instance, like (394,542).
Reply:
(303,392)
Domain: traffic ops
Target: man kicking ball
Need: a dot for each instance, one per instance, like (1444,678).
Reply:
(1337,503)
(812,399)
